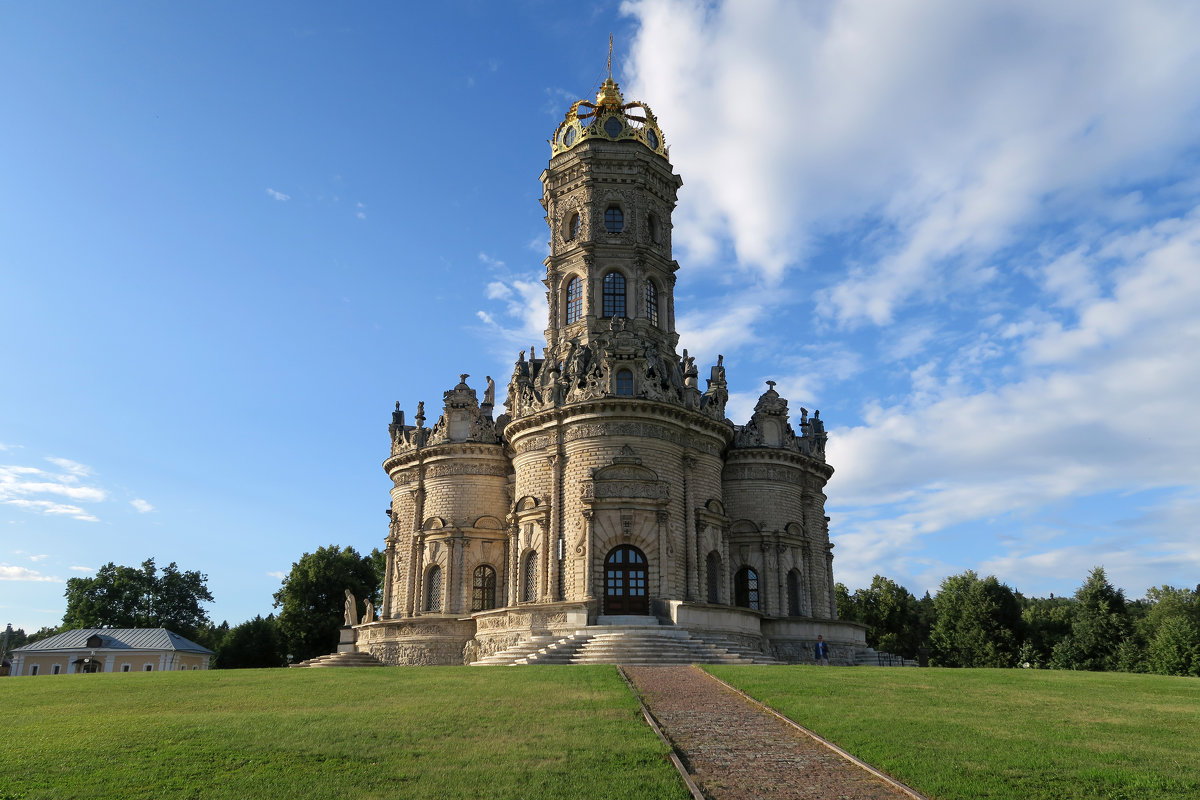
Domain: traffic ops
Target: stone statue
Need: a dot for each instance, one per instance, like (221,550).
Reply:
(351,607)
(489,396)
(369,616)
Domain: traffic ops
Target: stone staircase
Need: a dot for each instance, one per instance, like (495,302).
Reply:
(342,660)
(869,657)
(634,645)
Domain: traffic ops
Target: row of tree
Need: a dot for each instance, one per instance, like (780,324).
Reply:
(980,622)
(310,603)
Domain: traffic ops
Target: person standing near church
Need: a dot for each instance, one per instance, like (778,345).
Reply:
(821,652)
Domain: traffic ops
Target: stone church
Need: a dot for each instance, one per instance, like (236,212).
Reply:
(609,489)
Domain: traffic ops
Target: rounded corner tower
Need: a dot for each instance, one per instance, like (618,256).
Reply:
(612,490)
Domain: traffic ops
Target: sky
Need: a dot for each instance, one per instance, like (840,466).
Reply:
(233,235)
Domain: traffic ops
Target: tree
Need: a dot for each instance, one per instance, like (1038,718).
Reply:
(977,625)
(125,597)
(1098,627)
(312,598)
(254,643)
(890,612)
(1047,621)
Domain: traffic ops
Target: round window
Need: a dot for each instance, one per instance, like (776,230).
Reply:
(569,137)
(613,127)
(652,139)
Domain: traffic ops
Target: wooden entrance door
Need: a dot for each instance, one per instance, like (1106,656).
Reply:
(625,590)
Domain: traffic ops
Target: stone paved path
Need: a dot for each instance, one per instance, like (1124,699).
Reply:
(736,751)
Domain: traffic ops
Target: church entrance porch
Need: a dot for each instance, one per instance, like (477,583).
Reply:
(625,591)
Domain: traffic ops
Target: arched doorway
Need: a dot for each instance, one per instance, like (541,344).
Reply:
(625,585)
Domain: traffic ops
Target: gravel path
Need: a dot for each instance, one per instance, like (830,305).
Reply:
(736,751)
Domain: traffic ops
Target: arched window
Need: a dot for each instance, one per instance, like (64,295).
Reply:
(745,589)
(655,230)
(614,295)
(795,608)
(574,300)
(483,592)
(529,577)
(574,226)
(652,303)
(433,589)
(624,383)
(614,219)
(712,566)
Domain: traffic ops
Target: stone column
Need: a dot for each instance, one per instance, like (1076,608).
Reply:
(553,532)
(513,563)
(589,521)
(664,578)
(418,599)
(766,582)
(726,575)
(690,532)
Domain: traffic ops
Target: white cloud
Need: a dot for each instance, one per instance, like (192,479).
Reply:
(944,128)
(279,195)
(11,573)
(39,490)
(41,557)
(1102,405)
(141,505)
(279,575)
(82,569)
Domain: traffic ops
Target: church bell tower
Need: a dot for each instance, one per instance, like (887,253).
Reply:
(608,194)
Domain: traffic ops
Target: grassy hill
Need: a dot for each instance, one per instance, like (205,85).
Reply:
(1015,734)
(575,732)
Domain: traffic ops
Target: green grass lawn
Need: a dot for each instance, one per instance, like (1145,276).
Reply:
(444,732)
(1020,734)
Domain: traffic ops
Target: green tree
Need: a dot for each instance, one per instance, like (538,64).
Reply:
(1098,627)
(977,625)
(892,617)
(1170,631)
(1046,621)
(312,598)
(125,597)
(254,643)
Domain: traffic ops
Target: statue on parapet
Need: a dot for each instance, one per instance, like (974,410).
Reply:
(351,608)
(369,615)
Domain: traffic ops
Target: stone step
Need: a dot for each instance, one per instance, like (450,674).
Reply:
(341,660)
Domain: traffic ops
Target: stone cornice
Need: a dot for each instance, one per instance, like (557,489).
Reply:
(613,409)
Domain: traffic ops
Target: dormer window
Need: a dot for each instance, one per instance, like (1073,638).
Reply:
(614,219)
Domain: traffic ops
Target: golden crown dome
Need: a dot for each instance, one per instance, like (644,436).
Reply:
(609,118)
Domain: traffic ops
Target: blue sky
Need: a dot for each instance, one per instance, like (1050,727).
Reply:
(233,235)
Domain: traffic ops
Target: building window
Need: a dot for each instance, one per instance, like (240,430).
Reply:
(483,593)
(57,668)
(745,589)
(33,670)
(655,230)
(614,295)
(624,383)
(793,589)
(574,226)
(652,303)
(614,220)
(529,570)
(124,668)
(433,589)
(713,574)
(148,668)
(574,300)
